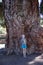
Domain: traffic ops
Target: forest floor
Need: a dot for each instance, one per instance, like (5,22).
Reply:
(34,59)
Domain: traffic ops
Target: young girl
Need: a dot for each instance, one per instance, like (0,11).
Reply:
(23,45)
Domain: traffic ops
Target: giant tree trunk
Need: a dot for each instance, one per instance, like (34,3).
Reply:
(21,17)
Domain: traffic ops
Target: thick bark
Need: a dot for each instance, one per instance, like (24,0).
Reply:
(22,17)
(9,25)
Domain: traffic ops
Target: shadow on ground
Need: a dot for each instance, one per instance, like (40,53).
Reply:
(34,59)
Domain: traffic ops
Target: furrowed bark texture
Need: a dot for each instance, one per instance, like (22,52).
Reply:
(22,17)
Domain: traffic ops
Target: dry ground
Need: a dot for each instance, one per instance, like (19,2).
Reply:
(34,59)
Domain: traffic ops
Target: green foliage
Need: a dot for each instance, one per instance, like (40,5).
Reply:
(41,22)
(2,26)
(41,8)
(2,30)
(2,22)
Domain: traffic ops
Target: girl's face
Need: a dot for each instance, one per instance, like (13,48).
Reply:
(23,36)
